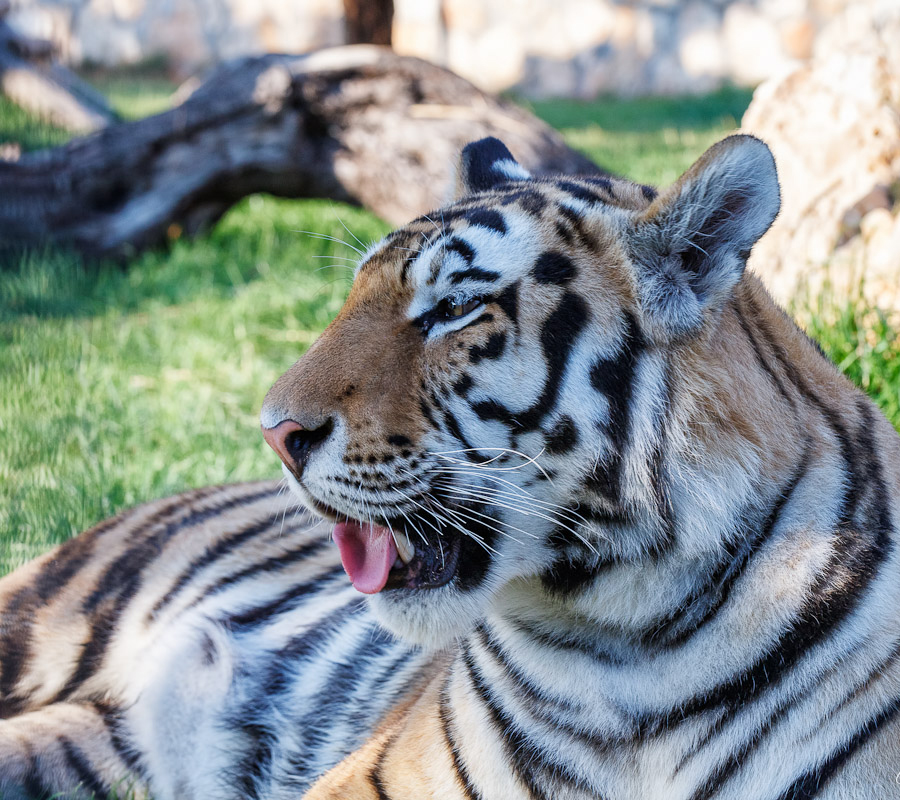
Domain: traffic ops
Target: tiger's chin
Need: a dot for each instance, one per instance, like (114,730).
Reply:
(431,618)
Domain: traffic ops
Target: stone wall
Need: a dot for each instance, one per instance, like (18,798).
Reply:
(539,47)
(189,34)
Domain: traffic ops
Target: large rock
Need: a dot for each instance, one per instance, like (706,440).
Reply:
(834,127)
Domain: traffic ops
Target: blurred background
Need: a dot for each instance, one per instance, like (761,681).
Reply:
(133,372)
(538,48)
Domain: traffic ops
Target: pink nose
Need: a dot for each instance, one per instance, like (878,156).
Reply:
(280,440)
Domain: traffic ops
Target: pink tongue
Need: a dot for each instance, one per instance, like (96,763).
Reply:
(367,552)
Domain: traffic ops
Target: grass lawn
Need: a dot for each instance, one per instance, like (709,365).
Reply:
(117,386)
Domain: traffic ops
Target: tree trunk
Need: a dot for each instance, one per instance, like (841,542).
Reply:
(357,124)
(368,21)
(31,80)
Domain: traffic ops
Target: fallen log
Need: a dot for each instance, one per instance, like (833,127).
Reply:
(358,124)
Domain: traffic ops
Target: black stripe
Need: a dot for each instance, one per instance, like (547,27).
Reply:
(463,249)
(739,758)
(19,613)
(407,264)
(546,709)
(218,551)
(614,379)
(568,238)
(554,268)
(531,202)
(426,412)
(815,780)
(33,784)
(343,676)
(831,415)
(760,359)
(852,566)
(856,556)
(577,226)
(580,192)
(573,566)
(250,775)
(605,183)
(877,513)
(254,769)
(78,763)
(375,777)
(452,425)
(667,535)
(508,300)
(367,706)
(572,643)
(705,602)
(462,774)
(285,602)
(114,721)
(562,438)
(525,757)
(281,673)
(559,333)
(462,386)
(123,578)
(474,274)
(521,754)
(864,687)
(486,218)
(491,350)
(476,557)
(135,558)
(275,563)
(534,692)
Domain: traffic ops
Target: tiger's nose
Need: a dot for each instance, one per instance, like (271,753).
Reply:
(294,443)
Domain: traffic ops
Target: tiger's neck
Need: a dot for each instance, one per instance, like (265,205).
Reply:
(753,502)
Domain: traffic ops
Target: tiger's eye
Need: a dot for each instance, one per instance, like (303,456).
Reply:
(461,309)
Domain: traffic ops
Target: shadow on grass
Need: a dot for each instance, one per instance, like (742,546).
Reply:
(260,237)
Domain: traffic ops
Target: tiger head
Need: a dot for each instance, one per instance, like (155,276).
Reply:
(504,402)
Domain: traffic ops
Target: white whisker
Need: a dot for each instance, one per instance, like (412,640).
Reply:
(327,238)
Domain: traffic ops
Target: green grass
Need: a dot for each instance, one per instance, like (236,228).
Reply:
(31,133)
(120,385)
(862,341)
(131,95)
(136,92)
(648,139)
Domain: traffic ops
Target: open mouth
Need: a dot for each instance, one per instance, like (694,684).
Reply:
(378,557)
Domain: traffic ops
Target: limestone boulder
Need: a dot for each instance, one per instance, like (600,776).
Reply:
(834,127)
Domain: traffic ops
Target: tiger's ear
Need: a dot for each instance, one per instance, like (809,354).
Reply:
(690,247)
(484,165)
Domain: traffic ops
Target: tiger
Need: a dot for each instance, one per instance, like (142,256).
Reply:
(606,524)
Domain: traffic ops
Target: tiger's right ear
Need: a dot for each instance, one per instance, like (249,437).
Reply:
(484,165)
(689,248)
